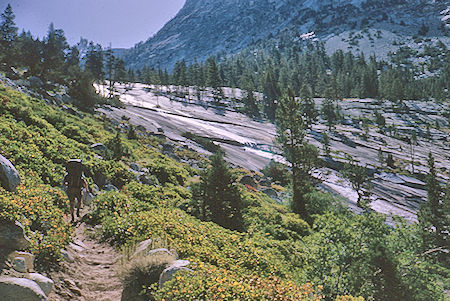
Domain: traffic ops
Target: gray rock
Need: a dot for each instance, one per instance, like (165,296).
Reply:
(110,187)
(135,167)
(12,236)
(270,192)
(35,82)
(9,177)
(160,251)
(142,247)
(248,180)
(44,283)
(28,261)
(20,289)
(168,148)
(176,267)
(18,264)
(265,182)
(98,147)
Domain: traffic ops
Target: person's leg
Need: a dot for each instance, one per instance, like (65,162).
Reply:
(71,197)
(79,198)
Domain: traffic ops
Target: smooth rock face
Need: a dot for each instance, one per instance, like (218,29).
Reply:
(12,236)
(20,289)
(44,283)
(170,271)
(9,177)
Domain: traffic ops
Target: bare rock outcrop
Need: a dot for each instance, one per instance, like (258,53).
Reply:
(9,177)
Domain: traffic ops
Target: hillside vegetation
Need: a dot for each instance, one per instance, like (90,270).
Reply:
(276,255)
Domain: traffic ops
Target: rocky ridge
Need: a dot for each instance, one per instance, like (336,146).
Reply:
(209,27)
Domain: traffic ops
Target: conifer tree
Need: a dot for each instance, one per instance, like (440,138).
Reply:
(271,95)
(54,48)
(329,110)
(8,34)
(94,61)
(433,216)
(218,195)
(291,132)
(360,179)
(308,107)
(110,61)
(213,79)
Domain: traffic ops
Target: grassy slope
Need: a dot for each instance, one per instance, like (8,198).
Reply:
(39,139)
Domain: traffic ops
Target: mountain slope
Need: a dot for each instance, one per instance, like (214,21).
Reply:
(207,27)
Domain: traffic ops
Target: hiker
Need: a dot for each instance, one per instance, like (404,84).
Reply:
(74,181)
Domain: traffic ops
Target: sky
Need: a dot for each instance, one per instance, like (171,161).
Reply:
(123,23)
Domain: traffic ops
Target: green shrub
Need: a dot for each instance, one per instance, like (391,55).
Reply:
(167,172)
(278,172)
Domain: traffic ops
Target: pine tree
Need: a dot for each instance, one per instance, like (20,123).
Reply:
(329,110)
(110,61)
(271,95)
(213,79)
(54,48)
(218,195)
(30,50)
(120,70)
(326,144)
(433,216)
(360,179)
(308,107)
(8,34)
(94,61)
(291,132)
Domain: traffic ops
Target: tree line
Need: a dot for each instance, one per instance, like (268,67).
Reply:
(53,61)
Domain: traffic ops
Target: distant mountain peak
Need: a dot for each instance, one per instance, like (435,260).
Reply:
(207,27)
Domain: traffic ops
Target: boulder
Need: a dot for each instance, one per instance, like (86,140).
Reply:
(160,251)
(35,82)
(20,289)
(18,264)
(110,187)
(135,167)
(28,260)
(98,147)
(270,192)
(12,236)
(265,182)
(9,177)
(176,267)
(44,283)
(248,180)
(142,247)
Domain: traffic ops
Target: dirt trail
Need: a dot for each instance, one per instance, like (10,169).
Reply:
(89,275)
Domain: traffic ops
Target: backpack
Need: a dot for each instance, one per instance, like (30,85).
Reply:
(74,176)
